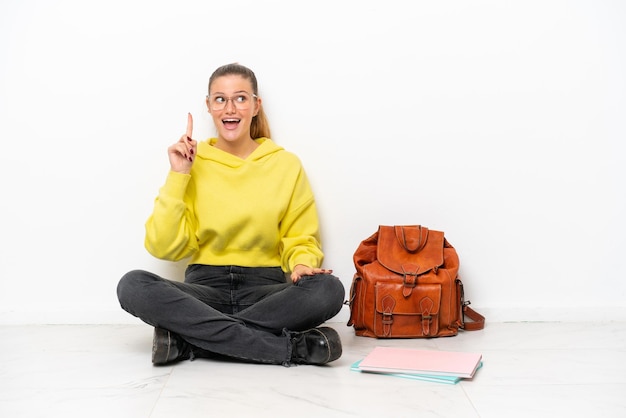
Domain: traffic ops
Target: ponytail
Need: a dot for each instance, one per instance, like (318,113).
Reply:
(260,127)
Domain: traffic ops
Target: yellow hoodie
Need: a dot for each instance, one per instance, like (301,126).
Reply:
(257,212)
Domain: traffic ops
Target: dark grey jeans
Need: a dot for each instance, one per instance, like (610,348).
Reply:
(247,313)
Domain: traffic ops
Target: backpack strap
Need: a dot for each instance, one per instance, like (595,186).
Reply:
(478,321)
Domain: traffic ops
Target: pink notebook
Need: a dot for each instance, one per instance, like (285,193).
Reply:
(429,362)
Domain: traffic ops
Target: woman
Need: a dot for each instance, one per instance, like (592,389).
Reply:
(241,208)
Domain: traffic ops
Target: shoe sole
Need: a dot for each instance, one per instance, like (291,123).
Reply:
(161,344)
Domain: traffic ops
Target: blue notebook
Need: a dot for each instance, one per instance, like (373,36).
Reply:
(449,380)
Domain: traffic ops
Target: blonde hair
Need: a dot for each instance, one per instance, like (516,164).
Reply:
(260,126)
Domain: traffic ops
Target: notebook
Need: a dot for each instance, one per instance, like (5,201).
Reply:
(424,362)
(449,380)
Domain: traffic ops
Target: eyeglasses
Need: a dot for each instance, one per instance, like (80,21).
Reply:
(241,101)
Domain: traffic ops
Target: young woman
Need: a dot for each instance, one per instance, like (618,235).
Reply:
(241,209)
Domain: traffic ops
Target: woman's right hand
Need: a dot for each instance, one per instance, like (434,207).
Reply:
(183,153)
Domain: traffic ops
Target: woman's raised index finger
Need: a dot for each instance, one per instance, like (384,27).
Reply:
(189,125)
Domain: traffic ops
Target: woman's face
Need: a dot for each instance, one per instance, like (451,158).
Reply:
(232,105)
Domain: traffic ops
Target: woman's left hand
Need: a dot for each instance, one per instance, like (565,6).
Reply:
(302,270)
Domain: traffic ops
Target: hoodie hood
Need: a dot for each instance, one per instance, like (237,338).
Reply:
(207,151)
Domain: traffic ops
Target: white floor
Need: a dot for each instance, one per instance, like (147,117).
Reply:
(530,370)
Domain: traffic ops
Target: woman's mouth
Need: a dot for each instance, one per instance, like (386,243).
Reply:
(231,123)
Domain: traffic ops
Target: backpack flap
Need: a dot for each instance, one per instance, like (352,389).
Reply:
(410,251)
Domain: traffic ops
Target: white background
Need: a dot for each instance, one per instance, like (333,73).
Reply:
(500,123)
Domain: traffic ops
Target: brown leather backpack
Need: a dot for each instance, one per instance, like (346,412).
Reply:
(406,285)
